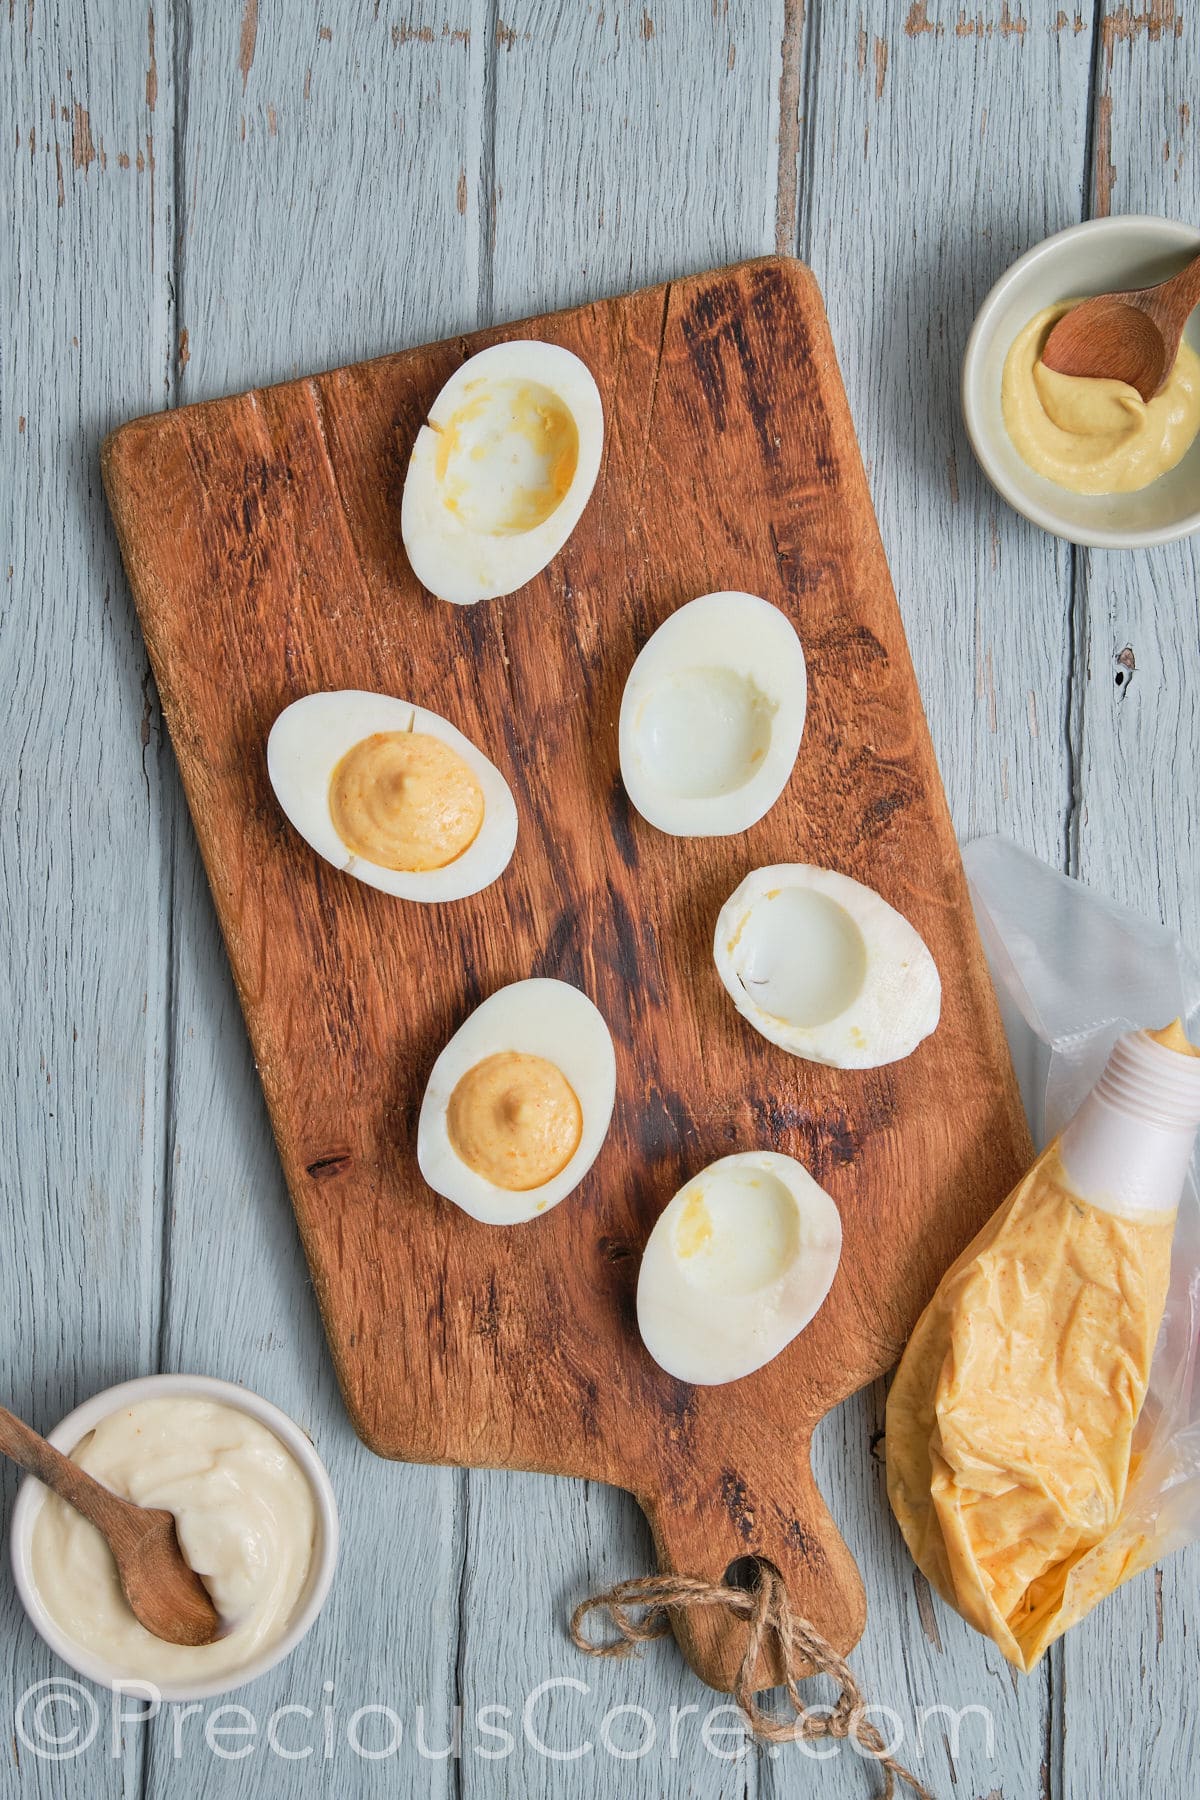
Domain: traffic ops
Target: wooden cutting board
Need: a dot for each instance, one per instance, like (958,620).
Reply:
(261,536)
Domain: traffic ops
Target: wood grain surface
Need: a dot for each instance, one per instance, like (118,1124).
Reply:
(265,189)
(260,536)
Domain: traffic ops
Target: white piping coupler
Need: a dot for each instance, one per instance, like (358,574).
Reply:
(1128,1147)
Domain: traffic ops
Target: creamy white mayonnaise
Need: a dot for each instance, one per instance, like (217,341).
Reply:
(246,1518)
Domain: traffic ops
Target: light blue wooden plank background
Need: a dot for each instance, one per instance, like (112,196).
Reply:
(209,193)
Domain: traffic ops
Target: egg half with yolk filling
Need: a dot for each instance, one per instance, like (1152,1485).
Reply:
(518,1103)
(736,1267)
(822,966)
(502,470)
(712,716)
(392,794)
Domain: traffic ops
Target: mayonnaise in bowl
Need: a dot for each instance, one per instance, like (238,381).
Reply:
(254,1514)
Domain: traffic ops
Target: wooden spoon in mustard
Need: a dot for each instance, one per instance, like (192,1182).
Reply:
(1131,336)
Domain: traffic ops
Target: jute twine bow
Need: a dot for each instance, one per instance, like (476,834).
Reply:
(769,1611)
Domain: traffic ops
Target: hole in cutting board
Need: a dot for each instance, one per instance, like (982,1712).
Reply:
(743,1572)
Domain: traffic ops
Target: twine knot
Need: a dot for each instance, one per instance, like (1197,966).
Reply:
(767,1610)
(851,1724)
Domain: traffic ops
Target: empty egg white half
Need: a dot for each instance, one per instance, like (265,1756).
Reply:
(712,716)
(501,472)
(736,1267)
(307,744)
(532,1022)
(824,967)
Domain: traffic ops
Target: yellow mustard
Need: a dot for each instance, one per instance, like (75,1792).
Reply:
(1095,437)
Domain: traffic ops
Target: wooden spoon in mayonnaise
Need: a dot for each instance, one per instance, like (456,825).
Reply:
(164,1593)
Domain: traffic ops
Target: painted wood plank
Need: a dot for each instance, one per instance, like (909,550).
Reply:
(84,247)
(928,159)
(631,145)
(931,160)
(641,1724)
(1130,1671)
(329,211)
(330,184)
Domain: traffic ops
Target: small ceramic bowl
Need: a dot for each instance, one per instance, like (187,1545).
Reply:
(190,1387)
(1099,257)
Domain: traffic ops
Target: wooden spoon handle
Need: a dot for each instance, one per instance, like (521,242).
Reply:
(106,1510)
(1177,298)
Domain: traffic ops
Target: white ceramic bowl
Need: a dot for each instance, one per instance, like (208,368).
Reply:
(1096,258)
(193,1387)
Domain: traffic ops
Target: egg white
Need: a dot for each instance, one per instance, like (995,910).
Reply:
(822,966)
(309,739)
(712,716)
(460,561)
(537,1017)
(734,1302)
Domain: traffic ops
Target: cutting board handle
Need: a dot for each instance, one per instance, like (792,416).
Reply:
(712,1530)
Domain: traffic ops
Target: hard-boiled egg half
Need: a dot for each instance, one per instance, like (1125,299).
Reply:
(825,968)
(518,1103)
(736,1266)
(392,794)
(502,470)
(712,716)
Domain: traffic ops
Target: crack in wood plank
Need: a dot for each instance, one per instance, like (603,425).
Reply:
(788,177)
(658,361)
